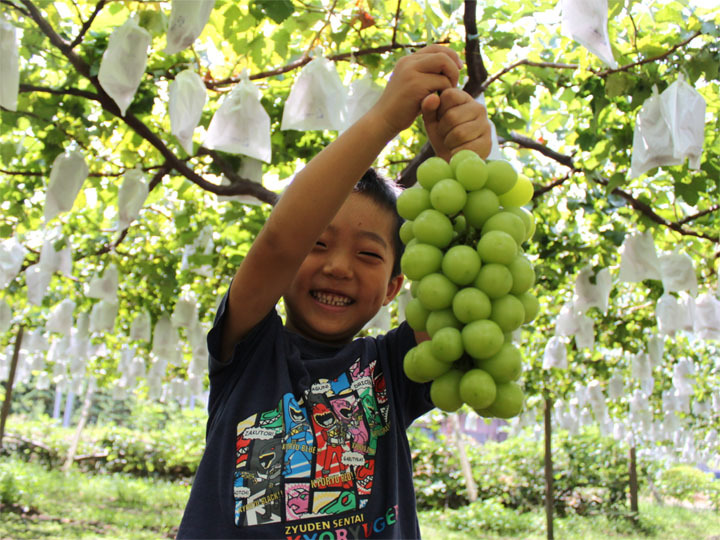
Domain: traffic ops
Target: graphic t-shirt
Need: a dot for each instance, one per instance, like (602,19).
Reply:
(306,440)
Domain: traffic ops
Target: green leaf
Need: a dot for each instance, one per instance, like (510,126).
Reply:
(282,40)
(277,10)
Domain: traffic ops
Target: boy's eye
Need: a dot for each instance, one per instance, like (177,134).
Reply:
(371,254)
(320,244)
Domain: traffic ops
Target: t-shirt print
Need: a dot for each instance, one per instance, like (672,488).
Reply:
(313,456)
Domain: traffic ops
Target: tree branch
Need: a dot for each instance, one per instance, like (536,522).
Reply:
(304,60)
(87,24)
(667,53)
(527,142)
(396,22)
(60,91)
(15,6)
(693,217)
(525,62)
(477,74)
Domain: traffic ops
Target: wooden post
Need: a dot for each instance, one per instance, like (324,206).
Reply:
(633,484)
(549,496)
(84,414)
(464,462)
(11,380)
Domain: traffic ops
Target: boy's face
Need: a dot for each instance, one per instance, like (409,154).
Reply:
(346,278)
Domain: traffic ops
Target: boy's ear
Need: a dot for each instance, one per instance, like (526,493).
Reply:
(393,289)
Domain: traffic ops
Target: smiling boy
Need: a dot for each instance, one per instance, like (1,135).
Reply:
(306,430)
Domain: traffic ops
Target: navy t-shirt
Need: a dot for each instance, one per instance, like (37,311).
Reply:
(306,440)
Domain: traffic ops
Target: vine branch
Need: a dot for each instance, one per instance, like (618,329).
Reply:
(87,24)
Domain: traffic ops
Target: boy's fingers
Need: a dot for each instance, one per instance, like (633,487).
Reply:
(429,108)
(441,64)
(442,50)
(453,97)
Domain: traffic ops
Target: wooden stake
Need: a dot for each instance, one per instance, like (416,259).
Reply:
(11,380)
(549,496)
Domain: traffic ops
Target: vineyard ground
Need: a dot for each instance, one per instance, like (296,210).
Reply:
(38,503)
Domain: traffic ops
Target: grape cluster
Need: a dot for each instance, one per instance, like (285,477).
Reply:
(465,224)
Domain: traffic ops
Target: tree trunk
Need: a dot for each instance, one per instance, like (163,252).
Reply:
(549,496)
(11,380)
(69,405)
(84,414)
(464,462)
(633,484)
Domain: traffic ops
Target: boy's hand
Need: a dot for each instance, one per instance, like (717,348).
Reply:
(454,121)
(431,69)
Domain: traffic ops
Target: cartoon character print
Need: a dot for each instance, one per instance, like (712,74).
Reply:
(312,455)
(299,440)
(297,501)
(364,477)
(381,395)
(348,412)
(330,437)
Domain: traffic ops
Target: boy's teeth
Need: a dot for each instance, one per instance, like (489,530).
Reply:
(331,299)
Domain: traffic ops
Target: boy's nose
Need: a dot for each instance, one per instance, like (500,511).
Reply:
(338,266)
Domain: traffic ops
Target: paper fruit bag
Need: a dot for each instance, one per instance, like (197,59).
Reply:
(67,175)
(652,139)
(317,100)
(187,20)
(187,99)
(638,258)
(9,65)
(364,93)
(586,22)
(684,110)
(241,125)
(123,63)
(131,197)
(12,254)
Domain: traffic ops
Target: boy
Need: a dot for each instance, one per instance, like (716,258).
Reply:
(306,431)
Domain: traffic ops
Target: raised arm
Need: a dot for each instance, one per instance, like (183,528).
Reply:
(318,191)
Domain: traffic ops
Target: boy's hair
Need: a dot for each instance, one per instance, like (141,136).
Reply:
(384,192)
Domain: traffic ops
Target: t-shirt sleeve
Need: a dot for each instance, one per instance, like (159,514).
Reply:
(413,398)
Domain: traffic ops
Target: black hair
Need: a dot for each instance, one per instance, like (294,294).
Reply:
(384,192)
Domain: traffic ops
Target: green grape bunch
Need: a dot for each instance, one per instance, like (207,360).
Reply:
(471,283)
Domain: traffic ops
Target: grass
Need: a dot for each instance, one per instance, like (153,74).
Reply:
(51,504)
(37,503)
(656,522)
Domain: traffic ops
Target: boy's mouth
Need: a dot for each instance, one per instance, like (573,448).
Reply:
(331,299)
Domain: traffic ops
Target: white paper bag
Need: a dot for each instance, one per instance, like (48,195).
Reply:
(585,333)
(684,111)
(616,387)
(652,138)
(9,65)
(102,316)
(123,63)
(707,317)
(555,354)
(655,350)
(5,316)
(241,125)
(187,20)
(131,197)
(104,287)
(12,254)
(140,327)
(568,320)
(670,315)
(317,99)
(185,312)
(586,21)
(60,319)
(638,258)
(589,294)
(187,99)
(37,282)
(67,175)
(165,339)
(363,94)
(678,273)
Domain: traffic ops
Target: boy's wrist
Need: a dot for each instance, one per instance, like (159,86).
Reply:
(378,122)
